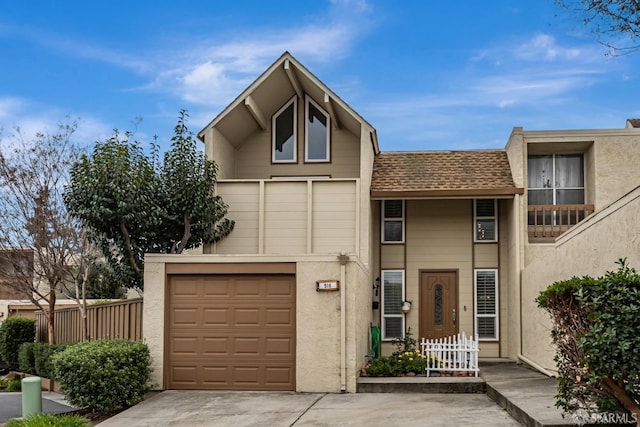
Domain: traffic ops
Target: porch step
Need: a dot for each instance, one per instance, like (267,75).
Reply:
(421,385)
(527,395)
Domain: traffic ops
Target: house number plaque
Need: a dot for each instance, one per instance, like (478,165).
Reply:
(327,285)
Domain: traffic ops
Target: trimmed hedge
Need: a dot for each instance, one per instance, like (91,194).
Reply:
(43,353)
(35,358)
(15,331)
(103,375)
(26,358)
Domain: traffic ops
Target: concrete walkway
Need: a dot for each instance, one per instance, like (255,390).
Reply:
(275,409)
(527,395)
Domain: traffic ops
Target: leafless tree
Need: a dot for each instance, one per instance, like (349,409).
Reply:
(39,240)
(616,23)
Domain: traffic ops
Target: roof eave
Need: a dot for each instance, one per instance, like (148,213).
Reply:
(464,192)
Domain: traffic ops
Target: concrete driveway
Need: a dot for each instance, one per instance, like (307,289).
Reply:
(237,409)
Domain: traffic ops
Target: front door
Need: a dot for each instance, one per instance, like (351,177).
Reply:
(438,303)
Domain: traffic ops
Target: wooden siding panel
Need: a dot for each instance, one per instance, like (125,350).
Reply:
(253,156)
(392,257)
(440,237)
(334,217)
(486,255)
(288,225)
(285,216)
(243,200)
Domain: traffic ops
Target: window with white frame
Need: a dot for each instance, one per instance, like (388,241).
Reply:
(486,306)
(486,220)
(283,133)
(393,221)
(392,299)
(555,179)
(317,133)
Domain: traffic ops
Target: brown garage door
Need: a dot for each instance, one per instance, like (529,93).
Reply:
(231,332)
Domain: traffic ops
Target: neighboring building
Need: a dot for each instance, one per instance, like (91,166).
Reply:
(468,237)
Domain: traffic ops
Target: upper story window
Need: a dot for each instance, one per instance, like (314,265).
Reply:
(283,134)
(317,135)
(554,180)
(393,221)
(486,220)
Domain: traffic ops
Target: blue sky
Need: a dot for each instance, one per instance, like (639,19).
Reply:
(427,74)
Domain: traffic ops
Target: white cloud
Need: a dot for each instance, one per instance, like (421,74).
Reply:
(9,105)
(29,118)
(544,47)
(213,73)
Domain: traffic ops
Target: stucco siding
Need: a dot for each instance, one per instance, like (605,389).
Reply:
(318,316)
(616,161)
(590,248)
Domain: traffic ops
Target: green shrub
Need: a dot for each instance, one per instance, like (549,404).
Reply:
(42,357)
(50,420)
(103,375)
(595,329)
(13,332)
(26,361)
(405,344)
(14,385)
(384,367)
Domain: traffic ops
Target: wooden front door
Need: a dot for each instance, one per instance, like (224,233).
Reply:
(438,303)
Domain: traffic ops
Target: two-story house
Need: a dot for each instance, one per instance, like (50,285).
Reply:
(332,236)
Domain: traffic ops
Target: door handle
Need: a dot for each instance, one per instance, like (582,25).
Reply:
(454,316)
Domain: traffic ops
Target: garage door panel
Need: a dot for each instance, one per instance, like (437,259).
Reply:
(215,316)
(279,347)
(185,287)
(248,347)
(231,332)
(184,346)
(216,287)
(277,288)
(247,317)
(216,346)
(183,316)
(184,375)
(278,317)
(279,375)
(249,287)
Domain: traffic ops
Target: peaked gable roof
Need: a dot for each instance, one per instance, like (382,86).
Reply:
(442,173)
(285,78)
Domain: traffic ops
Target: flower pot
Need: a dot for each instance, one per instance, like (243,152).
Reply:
(406,307)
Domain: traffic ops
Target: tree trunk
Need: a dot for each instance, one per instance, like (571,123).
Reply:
(624,398)
(51,316)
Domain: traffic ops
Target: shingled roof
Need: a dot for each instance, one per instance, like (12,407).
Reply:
(634,123)
(442,173)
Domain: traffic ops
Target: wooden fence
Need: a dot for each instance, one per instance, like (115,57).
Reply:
(456,353)
(118,319)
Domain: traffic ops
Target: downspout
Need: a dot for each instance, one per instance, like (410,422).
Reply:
(518,266)
(343,258)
